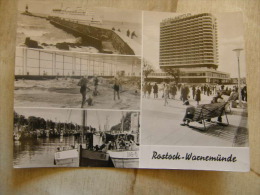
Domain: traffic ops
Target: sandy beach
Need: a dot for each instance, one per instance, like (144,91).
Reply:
(65,93)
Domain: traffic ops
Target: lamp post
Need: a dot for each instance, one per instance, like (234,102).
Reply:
(239,84)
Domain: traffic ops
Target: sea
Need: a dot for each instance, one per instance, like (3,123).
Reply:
(42,31)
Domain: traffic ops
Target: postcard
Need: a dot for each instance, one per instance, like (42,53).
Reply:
(104,87)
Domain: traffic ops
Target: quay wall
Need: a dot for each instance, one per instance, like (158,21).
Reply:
(93,35)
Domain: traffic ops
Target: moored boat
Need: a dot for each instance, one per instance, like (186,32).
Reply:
(124,158)
(69,157)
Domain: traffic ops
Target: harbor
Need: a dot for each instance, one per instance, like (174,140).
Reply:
(93,143)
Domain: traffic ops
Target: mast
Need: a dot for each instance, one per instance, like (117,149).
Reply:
(122,123)
(84,114)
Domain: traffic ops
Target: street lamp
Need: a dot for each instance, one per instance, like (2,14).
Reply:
(239,84)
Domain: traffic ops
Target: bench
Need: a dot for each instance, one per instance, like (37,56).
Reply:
(208,111)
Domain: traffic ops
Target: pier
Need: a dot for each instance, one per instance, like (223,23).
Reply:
(93,35)
(102,38)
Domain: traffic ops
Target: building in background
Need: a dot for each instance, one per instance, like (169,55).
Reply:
(190,43)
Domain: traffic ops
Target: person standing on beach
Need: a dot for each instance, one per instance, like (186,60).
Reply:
(95,92)
(116,88)
(83,89)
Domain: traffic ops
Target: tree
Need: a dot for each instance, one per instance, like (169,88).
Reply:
(174,72)
(147,69)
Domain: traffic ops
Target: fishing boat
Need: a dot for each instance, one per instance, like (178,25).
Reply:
(67,156)
(95,152)
(126,152)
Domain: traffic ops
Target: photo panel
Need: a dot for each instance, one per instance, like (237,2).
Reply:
(75,26)
(194,94)
(45,78)
(75,138)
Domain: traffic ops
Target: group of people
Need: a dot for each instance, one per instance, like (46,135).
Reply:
(128,33)
(217,98)
(84,82)
(133,34)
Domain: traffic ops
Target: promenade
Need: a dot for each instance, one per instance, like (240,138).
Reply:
(161,125)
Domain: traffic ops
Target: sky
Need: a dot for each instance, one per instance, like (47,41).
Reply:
(112,14)
(97,117)
(230,36)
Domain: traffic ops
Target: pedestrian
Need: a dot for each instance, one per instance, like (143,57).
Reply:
(149,89)
(166,94)
(185,93)
(144,90)
(198,96)
(193,91)
(208,90)
(128,32)
(133,35)
(174,91)
(116,88)
(155,91)
(244,93)
(83,89)
(205,89)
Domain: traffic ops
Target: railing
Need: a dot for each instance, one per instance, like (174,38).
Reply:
(51,63)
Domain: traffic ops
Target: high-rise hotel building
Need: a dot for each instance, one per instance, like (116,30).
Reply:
(190,42)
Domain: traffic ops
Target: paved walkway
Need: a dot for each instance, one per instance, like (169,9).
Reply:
(161,126)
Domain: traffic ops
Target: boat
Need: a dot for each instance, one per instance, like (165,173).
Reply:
(78,14)
(126,152)
(68,157)
(95,152)
(124,159)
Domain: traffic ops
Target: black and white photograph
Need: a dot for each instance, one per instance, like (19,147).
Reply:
(194,90)
(75,26)
(59,79)
(75,138)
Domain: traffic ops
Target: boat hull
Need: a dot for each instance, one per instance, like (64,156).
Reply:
(90,158)
(68,158)
(125,159)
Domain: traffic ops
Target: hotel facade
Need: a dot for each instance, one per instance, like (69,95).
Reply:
(190,43)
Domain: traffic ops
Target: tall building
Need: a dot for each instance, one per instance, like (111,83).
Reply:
(190,42)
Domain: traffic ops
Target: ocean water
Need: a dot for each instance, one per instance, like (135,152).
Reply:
(40,30)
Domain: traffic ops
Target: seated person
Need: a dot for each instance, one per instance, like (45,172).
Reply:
(233,96)
(189,114)
(215,98)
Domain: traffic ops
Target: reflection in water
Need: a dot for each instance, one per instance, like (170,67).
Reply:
(38,152)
